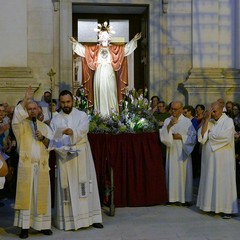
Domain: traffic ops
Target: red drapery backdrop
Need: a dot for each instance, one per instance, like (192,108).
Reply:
(137,164)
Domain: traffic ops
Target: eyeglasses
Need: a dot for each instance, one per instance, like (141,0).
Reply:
(175,109)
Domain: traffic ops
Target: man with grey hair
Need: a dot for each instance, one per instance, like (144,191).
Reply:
(179,136)
(217,189)
(33,199)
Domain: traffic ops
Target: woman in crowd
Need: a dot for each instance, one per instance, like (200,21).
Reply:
(199,112)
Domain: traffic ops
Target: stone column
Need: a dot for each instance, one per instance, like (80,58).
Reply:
(213,56)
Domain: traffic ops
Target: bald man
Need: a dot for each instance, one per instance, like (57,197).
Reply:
(217,189)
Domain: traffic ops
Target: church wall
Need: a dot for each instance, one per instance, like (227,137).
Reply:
(13,37)
(213,33)
(178,47)
(215,70)
(40,42)
(26,48)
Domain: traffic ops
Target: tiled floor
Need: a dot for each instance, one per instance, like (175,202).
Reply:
(141,223)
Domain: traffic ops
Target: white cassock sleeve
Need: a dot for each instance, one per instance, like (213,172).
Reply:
(218,135)
(222,136)
(166,137)
(189,139)
(202,139)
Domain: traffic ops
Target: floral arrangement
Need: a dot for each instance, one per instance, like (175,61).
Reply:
(134,116)
(80,99)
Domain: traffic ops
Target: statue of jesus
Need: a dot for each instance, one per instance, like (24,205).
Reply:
(105,70)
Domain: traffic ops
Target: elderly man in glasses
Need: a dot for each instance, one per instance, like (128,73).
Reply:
(179,136)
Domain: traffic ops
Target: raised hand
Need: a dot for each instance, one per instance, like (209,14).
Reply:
(173,121)
(29,93)
(137,36)
(28,96)
(207,115)
(72,40)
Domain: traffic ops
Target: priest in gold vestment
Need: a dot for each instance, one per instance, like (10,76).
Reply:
(33,199)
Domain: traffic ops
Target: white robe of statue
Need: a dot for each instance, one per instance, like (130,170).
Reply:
(217,188)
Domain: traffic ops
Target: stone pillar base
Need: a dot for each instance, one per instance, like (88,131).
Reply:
(14,82)
(206,85)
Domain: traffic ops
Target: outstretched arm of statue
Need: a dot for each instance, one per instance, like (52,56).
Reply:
(78,48)
(132,45)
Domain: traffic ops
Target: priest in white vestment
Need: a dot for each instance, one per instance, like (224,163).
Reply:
(77,199)
(179,136)
(217,189)
(33,198)
(110,70)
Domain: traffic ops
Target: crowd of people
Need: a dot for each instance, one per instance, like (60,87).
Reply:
(196,142)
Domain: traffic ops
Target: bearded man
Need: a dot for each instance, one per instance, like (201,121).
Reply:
(78,203)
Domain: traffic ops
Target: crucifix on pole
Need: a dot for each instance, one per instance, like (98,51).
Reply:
(51,73)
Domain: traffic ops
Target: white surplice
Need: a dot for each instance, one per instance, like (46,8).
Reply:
(77,199)
(104,83)
(217,188)
(178,159)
